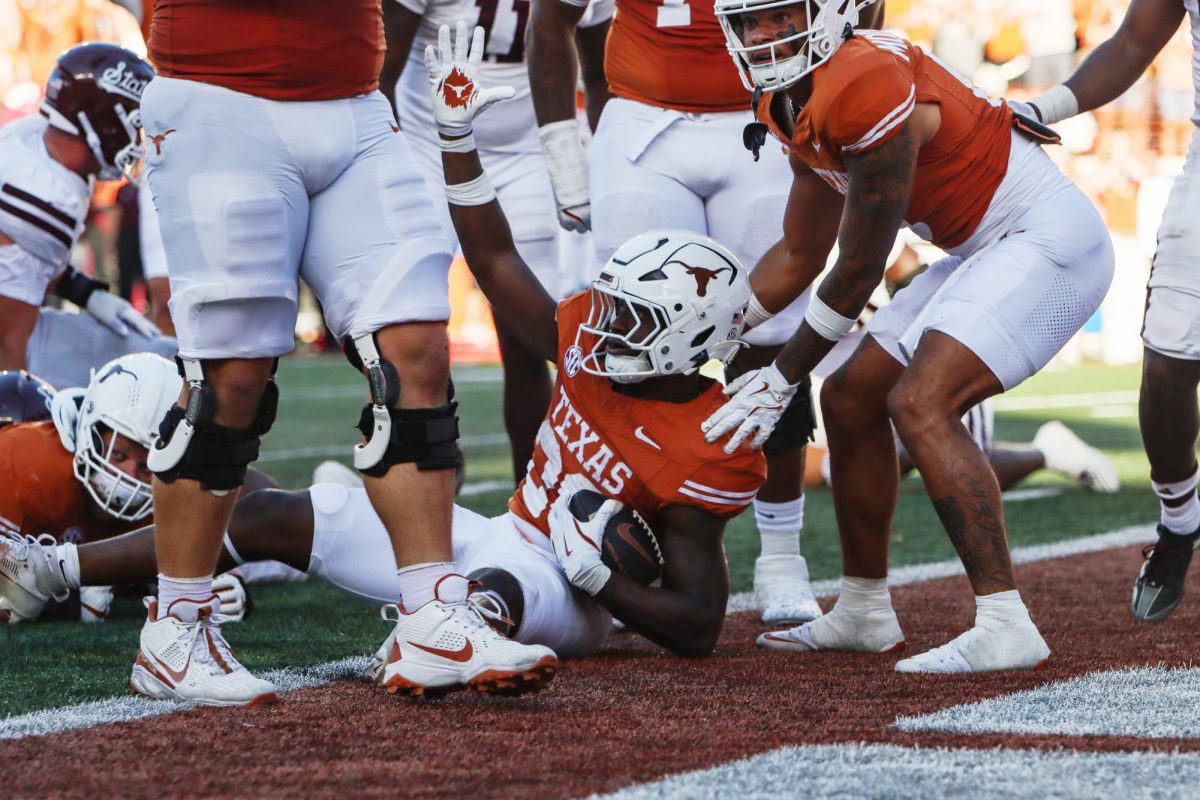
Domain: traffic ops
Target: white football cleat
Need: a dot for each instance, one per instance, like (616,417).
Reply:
(183,656)
(447,645)
(337,473)
(782,591)
(30,576)
(1065,452)
(1016,646)
(874,632)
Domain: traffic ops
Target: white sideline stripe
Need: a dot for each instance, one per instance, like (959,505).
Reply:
(103,712)
(1028,554)
(483,487)
(1022,495)
(1151,702)
(891,771)
(1075,400)
(331,450)
(358,389)
(125,709)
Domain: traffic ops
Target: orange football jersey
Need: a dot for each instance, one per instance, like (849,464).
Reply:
(648,454)
(277,49)
(861,98)
(39,492)
(672,54)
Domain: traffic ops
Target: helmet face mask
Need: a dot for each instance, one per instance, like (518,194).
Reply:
(115,491)
(665,303)
(827,24)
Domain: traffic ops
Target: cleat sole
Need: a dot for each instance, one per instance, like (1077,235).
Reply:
(503,682)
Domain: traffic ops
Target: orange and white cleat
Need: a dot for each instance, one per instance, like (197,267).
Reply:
(447,645)
(184,657)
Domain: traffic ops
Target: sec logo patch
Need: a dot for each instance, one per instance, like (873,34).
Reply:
(573,360)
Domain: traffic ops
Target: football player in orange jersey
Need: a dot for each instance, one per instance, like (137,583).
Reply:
(881,133)
(81,474)
(661,157)
(628,401)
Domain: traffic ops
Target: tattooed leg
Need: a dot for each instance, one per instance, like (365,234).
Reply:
(927,405)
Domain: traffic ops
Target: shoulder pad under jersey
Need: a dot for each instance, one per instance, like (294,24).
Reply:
(42,203)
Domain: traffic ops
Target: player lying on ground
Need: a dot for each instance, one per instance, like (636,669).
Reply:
(880,134)
(89,128)
(74,469)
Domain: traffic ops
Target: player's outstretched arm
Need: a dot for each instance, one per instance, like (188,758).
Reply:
(686,614)
(1116,63)
(516,295)
(810,227)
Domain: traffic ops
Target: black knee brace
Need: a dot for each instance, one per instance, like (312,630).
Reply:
(190,445)
(796,425)
(427,437)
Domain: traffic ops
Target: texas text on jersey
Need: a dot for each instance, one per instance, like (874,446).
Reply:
(648,454)
(863,95)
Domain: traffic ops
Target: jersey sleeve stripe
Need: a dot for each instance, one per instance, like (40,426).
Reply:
(894,119)
(38,202)
(38,222)
(7,525)
(700,487)
(717,501)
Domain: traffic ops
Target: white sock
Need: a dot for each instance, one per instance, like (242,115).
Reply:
(1000,609)
(171,589)
(779,526)
(67,556)
(1180,505)
(418,582)
(864,595)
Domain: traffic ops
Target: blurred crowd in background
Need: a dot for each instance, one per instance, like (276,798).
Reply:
(1124,156)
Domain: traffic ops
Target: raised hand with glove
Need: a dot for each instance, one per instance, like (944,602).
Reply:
(577,544)
(453,76)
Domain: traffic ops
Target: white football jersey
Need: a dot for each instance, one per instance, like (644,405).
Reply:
(507,127)
(42,203)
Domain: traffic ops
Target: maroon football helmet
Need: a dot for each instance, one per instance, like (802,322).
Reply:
(95,93)
(23,397)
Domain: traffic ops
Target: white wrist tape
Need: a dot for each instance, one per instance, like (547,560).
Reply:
(1056,105)
(464,144)
(755,314)
(565,161)
(472,193)
(827,323)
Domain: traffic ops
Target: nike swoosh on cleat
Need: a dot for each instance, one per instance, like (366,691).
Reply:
(461,655)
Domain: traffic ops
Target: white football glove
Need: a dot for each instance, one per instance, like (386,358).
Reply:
(231,591)
(118,316)
(567,165)
(457,96)
(94,603)
(760,398)
(577,544)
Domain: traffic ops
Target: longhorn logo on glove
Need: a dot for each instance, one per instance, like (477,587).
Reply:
(457,89)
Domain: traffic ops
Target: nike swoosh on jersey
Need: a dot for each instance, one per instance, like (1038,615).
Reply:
(639,432)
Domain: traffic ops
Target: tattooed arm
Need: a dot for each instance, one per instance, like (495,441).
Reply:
(685,614)
(880,182)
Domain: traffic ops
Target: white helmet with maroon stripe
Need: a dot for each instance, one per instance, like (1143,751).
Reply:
(782,61)
(665,303)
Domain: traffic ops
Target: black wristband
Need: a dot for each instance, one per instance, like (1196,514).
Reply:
(76,287)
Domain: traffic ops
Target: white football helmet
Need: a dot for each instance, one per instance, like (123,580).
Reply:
(129,395)
(688,296)
(829,24)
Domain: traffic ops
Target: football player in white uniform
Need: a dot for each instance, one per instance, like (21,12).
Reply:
(508,144)
(88,128)
(1170,418)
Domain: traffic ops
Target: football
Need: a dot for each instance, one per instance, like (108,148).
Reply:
(629,546)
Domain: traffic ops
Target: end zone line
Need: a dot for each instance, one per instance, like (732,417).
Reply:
(124,709)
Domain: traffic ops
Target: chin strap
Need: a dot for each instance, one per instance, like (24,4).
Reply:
(754,135)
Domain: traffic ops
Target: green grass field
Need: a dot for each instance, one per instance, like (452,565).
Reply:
(53,664)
